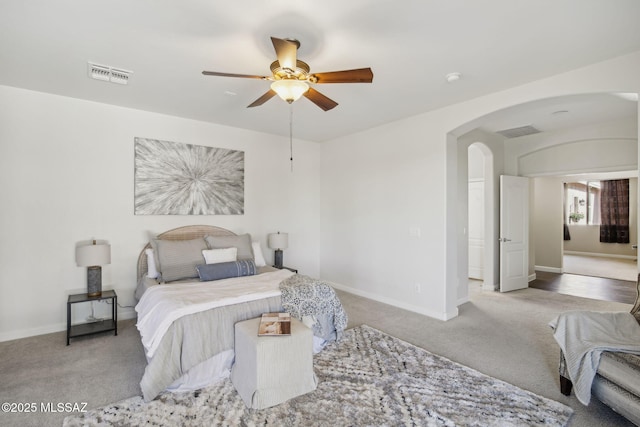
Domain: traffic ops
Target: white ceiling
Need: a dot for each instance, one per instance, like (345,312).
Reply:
(410,45)
(564,112)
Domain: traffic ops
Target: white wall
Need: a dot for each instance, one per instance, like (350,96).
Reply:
(379,184)
(601,147)
(66,174)
(388,222)
(376,195)
(546,225)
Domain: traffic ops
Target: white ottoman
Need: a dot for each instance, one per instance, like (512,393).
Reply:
(271,370)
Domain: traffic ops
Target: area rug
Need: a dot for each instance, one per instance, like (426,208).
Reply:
(368,378)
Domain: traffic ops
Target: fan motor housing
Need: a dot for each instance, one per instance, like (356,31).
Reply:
(300,73)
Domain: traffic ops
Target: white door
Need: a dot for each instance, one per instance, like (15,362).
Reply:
(514,233)
(476,230)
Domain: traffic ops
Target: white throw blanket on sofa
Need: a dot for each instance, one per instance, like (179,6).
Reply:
(584,335)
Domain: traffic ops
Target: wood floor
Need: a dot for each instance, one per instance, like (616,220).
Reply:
(586,286)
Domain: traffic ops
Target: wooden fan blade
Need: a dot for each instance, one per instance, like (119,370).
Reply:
(361,75)
(286,51)
(244,76)
(264,98)
(319,99)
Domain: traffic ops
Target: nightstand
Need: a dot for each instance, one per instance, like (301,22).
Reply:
(286,268)
(94,327)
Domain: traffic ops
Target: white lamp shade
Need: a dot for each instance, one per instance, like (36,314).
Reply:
(278,241)
(289,89)
(91,255)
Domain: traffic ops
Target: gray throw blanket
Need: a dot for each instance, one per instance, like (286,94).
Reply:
(305,297)
(584,335)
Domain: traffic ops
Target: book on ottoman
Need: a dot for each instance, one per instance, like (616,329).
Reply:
(275,324)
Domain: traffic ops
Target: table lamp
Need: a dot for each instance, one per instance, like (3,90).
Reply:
(93,257)
(278,241)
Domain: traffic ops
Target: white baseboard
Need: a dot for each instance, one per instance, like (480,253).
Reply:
(532,277)
(600,255)
(548,269)
(396,303)
(463,300)
(489,287)
(128,313)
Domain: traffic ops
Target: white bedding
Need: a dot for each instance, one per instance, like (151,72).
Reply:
(161,305)
(206,373)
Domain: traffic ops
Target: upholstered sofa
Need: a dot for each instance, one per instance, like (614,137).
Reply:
(617,381)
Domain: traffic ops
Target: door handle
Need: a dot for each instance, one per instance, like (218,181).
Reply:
(503,239)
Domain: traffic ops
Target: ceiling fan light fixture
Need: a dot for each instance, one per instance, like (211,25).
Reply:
(291,78)
(289,90)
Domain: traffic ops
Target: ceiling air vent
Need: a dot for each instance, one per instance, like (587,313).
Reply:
(516,132)
(108,74)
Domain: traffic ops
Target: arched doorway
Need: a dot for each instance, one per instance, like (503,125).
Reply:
(480,219)
(509,159)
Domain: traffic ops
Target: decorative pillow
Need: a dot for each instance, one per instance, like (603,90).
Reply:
(257,254)
(242,242)
(152,271)
(177,259)
(225,270)
(216,256)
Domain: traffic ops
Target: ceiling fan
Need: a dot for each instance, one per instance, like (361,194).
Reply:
(292,78)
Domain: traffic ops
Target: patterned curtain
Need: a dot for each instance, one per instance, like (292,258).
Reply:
(614,211)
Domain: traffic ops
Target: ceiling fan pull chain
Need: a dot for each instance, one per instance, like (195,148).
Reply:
(291,134)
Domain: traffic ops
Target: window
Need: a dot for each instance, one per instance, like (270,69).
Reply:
(582,203)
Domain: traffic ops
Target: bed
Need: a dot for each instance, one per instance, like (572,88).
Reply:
(186,320)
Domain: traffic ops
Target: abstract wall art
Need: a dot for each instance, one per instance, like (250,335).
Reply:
(173,178)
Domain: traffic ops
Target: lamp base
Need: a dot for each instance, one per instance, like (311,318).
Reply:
(277,260)
(94,281)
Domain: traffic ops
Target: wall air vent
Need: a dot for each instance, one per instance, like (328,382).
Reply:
(516,132)
(108,74)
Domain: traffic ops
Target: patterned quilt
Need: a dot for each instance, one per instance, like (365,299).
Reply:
(314,301)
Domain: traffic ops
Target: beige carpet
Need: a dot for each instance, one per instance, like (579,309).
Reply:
(505,336)
(612,268)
